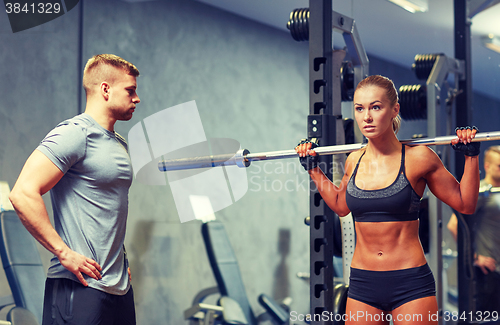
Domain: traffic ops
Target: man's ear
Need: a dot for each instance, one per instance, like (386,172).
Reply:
(486,166)
(105,90)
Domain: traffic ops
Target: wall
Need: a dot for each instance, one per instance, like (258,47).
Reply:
(250,83)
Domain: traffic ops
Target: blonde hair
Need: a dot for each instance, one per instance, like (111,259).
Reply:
(489,151)
(390,91)
(98,69)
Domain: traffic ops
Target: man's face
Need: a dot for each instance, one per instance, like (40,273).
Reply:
(123,97)
(492,166)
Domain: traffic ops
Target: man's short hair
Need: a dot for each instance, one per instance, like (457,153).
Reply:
(101,67)
(489,151)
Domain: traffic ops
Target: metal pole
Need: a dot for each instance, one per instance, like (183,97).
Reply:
(243,160)
(321,110)
(463,107)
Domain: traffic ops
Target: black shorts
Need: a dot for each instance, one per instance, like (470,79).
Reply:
(70,303)
(388,290)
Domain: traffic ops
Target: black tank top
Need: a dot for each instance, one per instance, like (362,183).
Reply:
(397,202)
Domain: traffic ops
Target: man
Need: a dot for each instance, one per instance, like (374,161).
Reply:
(85,165)
(487,234)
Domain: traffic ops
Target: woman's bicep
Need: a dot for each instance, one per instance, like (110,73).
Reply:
(444,185)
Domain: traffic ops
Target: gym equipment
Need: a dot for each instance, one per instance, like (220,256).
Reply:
(413,102)
(423,102)
(299,24)
(243,157)
(330,81)
(24,270)
(350,73)
(423,65)
(233,305)
(416,100)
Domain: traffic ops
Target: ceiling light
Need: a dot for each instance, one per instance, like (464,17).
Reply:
(412,6)
(492,42)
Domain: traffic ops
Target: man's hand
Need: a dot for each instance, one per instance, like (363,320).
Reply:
(78,264)
(486,264)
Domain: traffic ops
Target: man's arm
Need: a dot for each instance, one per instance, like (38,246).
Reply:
(452,226)
(485,263)
(37,177)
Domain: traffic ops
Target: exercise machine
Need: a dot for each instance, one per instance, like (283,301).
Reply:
(24,270)
(233,306)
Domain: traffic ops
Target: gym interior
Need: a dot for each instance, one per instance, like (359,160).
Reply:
(250,82)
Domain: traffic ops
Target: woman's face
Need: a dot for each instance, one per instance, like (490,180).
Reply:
(373,111)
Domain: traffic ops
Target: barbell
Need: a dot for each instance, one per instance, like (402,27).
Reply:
(243,157)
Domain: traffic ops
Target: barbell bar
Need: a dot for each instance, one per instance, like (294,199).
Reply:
(243,157)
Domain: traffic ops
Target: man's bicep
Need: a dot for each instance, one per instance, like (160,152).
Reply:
(39,173)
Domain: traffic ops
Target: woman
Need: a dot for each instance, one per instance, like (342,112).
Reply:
(382,187)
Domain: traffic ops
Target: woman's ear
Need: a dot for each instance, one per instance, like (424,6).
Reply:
(396,110)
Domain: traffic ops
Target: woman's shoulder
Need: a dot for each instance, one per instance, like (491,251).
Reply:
(421,156)
(355,155)
(353,159)
(419,150)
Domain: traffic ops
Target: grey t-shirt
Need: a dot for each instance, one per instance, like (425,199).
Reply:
(90,202)
(487,239)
